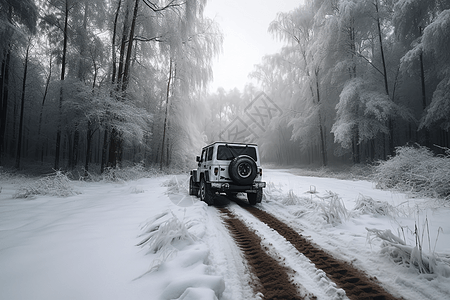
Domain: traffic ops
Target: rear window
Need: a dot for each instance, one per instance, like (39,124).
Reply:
(225,152)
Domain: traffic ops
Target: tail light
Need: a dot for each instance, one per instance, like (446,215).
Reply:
(216,171)
(260,172)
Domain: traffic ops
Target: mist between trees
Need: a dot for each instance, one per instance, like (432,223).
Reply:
(101,83)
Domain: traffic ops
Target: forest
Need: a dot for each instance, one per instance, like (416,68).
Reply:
(100,84)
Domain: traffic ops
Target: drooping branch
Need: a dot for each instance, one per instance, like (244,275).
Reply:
(156,8)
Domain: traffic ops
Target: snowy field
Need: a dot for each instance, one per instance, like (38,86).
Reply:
(147,239)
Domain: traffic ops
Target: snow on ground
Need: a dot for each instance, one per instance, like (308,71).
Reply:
(85,246)
(349,239)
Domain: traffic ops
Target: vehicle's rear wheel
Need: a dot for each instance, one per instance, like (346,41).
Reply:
(254,198)
(206,194)
(193,189)
(242,170)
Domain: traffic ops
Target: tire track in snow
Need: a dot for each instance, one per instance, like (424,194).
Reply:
(228,259)
(274,279)
(356,284)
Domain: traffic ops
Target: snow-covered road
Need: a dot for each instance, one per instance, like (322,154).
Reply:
(84,246)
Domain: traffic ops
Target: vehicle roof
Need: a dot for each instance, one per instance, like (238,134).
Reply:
(231,143)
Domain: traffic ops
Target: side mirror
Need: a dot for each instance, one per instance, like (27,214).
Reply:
(198,159)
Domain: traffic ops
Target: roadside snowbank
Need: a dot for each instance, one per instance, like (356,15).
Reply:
(345,228)
(84,246)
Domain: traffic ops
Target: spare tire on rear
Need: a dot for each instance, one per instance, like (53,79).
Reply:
(242,170)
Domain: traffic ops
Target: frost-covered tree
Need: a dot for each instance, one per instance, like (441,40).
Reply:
(192,42)
(421,68)
(362,114)
(331,45)
(299,30)
(98,79)
(56,21)
(17,20)
(366,39)
(154,44)
(435,41)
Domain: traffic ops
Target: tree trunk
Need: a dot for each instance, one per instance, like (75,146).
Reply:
(63,71)
(372,150)
(84,40)
(113,154)
(81,76)
(323,146)
(109,143)
(122,49)
(126,71)
(115,143)
(424,95)
(166,115)
(90,132)
(352,74)
(356,148)
(76,140)
(4,81)
(47,83)
(22,104)
(386,85)
(104,150)
(89,135)
(113,44)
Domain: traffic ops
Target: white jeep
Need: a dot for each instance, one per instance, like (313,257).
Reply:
(228,168)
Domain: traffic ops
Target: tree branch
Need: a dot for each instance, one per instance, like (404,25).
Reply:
(156,8)
(367,60)
(145,39)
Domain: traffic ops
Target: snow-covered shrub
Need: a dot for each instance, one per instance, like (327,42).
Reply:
(416,169)
(57,184)
(164,235)
(271,192)
(359,171)
(333,209)
(290,199)
(4,175)
(330,207)
(165,232)
(366,205)
(134,172)
(412,257)
(12,176)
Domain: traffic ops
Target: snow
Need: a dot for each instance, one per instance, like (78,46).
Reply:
(349,241)
(148,239)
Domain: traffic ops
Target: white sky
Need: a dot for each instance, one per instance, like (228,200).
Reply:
(244,24)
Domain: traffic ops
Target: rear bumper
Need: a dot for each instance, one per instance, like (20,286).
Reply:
(231,187)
